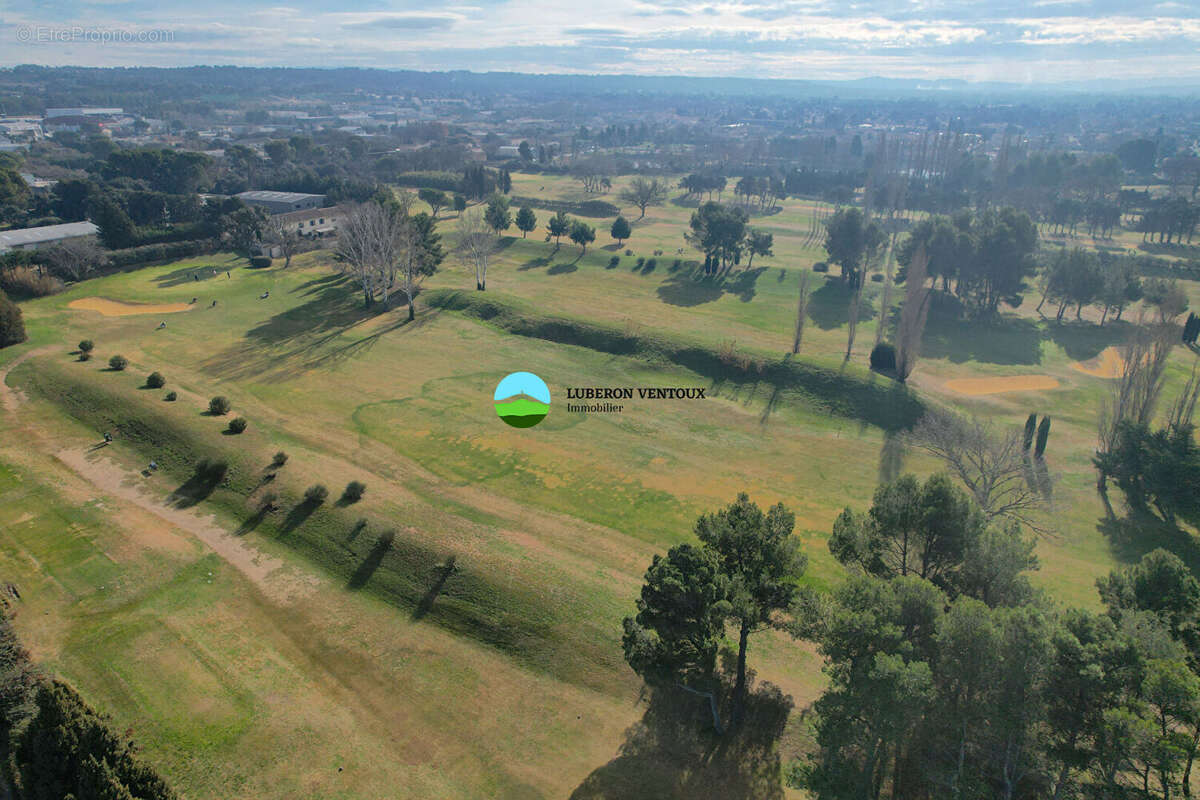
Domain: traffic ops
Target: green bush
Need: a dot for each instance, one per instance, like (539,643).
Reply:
(170,251)
(315,494)
(12,323)
(219,406)
(237,424)
(118,363)
(86,346)
(628,252)
(354,491)
(155,380)
(279,459)
(614,261)
(651,263)
(883,358)
(171,397)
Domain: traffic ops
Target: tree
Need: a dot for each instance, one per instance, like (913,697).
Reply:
(674,638)
(849,238)
(582,234)
(476,245)
(435,198)
(620,230)
(1138,155)
(526,220)
(990,464)
(219,406)
(284,236)
(12,324)
(74,259)
(1027,436)
(758,243)
(719,232)
(460,203)
(117,230)
(761,561)
(244,228)
(643,192)
(498,216)
(525,151)
(559,226)
(912,317)
(504,182)
(910,530)
(1043,433)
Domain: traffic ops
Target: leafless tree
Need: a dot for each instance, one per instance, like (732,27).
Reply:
(801,312)
(283,235)
(1184,407)
(885,302)
(476,245)
(990,463)
(912,316)
(1135,393)
(73,259)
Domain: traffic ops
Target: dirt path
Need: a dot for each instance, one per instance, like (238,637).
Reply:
(265,572)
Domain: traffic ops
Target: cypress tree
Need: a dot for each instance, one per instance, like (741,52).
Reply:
(1030,428)
(1043,433)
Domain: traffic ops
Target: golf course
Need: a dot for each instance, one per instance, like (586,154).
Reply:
(452,627)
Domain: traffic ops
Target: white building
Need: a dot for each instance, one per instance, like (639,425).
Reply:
(33,238)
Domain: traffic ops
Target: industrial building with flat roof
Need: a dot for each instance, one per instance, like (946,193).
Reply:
(281,202)
(32,238)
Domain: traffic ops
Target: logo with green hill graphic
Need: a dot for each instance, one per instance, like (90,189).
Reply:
(522,399)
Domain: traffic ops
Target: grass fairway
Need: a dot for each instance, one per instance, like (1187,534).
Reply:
(455,633)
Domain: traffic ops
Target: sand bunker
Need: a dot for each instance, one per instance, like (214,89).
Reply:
(116,308)
(1108,364)
(1013,383)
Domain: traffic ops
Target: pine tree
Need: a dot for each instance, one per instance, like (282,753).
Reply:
(1043,433)
(1030,429)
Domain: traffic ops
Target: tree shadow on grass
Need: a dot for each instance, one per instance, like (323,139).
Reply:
(370,564)
(1139,532)
(1007,339)
(534,263)
(672,752)
(1084,340)
(185,275)
(206,477)
(829,305)
(298,516)
(688,286)
(441,574)
(563,267)
(305,337)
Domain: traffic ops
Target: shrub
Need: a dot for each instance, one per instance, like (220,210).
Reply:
(820,266)
(155,380)
(315,494)
(651,263)
(883,358)
(118,363)
(354,491)
(219,406)
(160,252)
(86,346)
(12,324)
(614,261)
(279,459)
(628,252)
(237,424)
(27,282)
(171,397)
(260,261)
(641,261)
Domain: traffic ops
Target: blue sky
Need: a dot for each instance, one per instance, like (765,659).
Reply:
(522,383)
(1035,41)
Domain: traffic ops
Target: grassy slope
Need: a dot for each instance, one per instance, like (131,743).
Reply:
(556,523)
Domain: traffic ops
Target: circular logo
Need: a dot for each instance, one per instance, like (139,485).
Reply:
(522,399)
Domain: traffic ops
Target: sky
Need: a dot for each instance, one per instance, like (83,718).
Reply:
(1016,41)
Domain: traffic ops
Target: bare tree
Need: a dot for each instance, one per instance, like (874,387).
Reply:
(476,245)
(281,234)
(990,463)
(912,315)
(1184,406)
(1135,394)
(73,259)
(643,192)
(801,312)
(885,302)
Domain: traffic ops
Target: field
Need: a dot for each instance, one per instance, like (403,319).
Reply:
(455,633)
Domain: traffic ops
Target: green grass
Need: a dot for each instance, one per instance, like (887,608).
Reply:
(549,528)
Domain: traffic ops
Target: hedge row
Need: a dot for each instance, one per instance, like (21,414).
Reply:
(588,208)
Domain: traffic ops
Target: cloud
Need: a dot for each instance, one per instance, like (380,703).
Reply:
(405,22)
